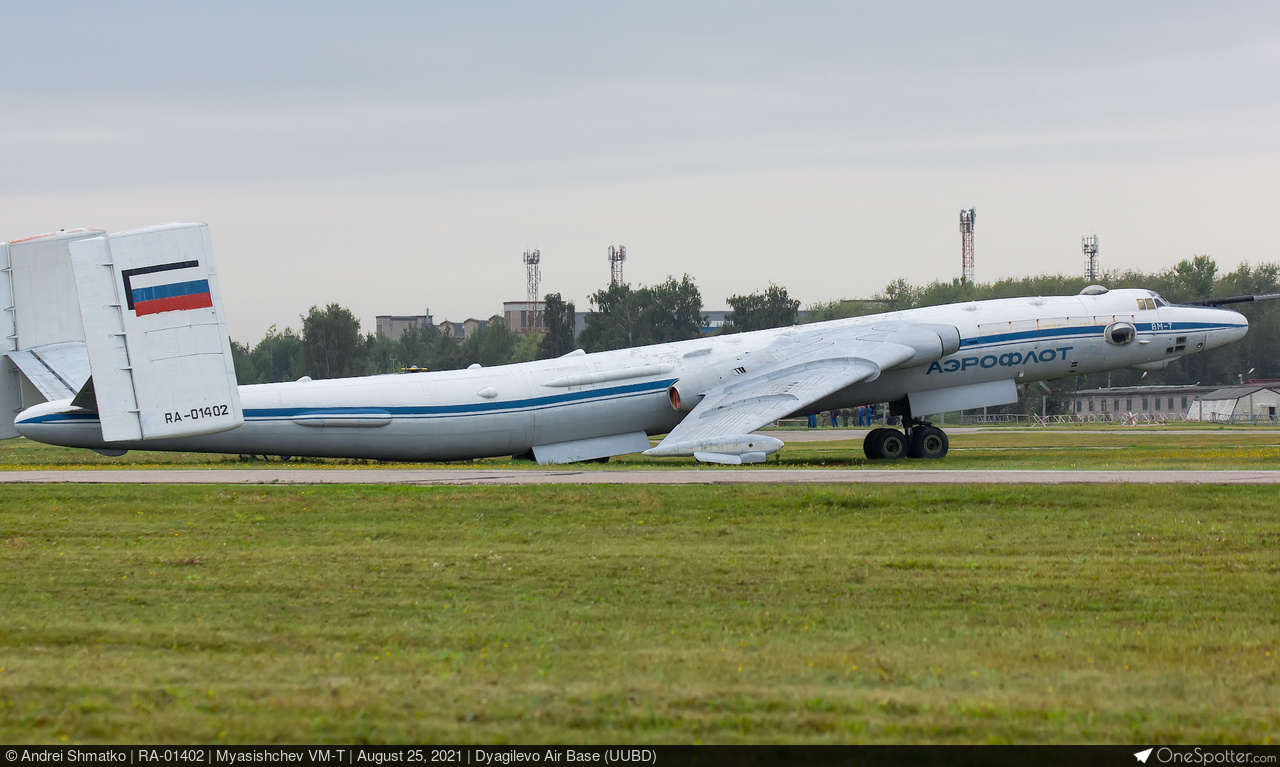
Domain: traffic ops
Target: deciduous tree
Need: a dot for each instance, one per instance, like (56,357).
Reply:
(771,309)
(625,317)
(558,318)
(331,343)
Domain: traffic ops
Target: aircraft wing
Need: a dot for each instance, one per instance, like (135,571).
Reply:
(718,428)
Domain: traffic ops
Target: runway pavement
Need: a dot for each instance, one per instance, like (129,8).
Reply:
(711,475)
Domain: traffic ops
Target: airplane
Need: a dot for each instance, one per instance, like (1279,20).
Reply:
(118,342)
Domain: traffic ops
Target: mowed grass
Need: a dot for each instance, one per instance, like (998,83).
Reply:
(602,614)
(1086,447)
(1140,448)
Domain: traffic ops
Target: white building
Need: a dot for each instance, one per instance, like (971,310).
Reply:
(1155,402)
(1237,404)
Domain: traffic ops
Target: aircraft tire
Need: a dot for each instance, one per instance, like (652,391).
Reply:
(928,442)
(888,444)
(868,442)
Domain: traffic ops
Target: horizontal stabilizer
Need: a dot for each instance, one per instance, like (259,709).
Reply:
(157,340)
(57,371)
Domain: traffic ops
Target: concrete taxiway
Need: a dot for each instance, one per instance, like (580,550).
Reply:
(696,476)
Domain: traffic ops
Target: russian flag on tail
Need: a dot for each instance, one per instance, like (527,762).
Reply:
(164,290)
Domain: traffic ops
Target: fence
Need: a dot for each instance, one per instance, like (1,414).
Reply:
(1120,419)
(1115,419)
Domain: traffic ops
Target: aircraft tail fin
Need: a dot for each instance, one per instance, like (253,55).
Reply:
(159,353)
(42,354)
(10,378)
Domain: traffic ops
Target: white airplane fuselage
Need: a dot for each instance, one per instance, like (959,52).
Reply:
(509,409)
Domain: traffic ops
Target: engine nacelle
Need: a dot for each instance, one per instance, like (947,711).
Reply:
(949,335)
(686,393)
(931,342)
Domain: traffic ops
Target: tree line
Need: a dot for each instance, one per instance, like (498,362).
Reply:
(330,343)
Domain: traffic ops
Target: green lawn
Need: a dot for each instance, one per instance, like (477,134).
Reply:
(1061,448)
(990,448)
(351,614)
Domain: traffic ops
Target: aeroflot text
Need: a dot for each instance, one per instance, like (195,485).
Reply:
(1006,360)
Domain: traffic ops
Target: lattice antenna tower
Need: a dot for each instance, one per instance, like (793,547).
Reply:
(616,257)
(966,244)
(1089,244)
(531,260)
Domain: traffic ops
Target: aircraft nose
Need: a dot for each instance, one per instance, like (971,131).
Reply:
(1233,327)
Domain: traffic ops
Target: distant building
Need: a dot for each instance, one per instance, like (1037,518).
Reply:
(516,314)
(1251,403)
(461,331)
(715,320)
(394,325)
(1154,402)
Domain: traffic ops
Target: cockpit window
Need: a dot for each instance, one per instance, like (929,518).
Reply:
(1161,302)
(1146,303)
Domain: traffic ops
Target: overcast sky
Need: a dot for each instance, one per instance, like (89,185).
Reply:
(395,157)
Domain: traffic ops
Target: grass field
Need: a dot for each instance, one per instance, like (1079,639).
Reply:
(353,614)
(1087,447)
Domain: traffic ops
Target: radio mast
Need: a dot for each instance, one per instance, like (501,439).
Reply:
(1090,247)
(616,257)
(531,260)
(966,244)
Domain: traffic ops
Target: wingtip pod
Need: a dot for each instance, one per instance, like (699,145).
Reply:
(727,458)
(746,447)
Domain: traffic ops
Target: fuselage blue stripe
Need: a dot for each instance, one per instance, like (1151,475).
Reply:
(266,415)
(1089,330)
(478,407)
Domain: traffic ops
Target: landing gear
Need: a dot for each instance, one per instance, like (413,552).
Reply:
(927,442)
(885,444)
(921,441)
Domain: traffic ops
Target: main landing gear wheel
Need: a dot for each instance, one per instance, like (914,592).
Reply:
(928,442)
(885,444)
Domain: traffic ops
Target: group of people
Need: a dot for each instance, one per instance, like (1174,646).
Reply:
(864,414)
